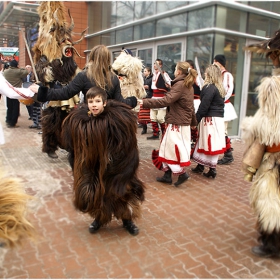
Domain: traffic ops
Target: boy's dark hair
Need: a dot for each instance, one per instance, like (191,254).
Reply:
(191,63)
(95,91)
(159,61)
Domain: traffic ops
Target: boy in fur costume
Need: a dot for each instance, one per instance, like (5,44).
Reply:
(128,69)
(262,161)
(103,153)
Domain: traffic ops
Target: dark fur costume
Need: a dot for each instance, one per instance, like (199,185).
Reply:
(267,46)
(55,65)
(104,156)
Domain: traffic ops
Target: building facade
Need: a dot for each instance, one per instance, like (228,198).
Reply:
(170,30)
(181,30)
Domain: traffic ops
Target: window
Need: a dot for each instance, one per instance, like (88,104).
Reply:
(144,9)
(201,47)
(272,6)
(146,55)
(202,18)
(231,19)
(124,35)
(124,12)
(172,25)
(170,54)
(262,26)
(164,6)
(144,31)
(108,38)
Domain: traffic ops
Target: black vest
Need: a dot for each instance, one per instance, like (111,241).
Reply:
(160,83)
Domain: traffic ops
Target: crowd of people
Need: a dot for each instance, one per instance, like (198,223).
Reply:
(106,117)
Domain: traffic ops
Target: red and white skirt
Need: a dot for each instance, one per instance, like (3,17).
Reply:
(211,141)
(175,147)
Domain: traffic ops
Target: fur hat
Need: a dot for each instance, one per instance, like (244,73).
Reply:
(221,59)
(14,63)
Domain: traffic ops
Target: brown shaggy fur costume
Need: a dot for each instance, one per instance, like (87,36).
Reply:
(55,65)
(104,156)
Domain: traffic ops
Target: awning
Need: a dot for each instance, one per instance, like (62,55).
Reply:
(15,16)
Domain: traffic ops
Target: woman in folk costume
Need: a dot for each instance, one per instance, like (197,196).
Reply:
(261,134)
(174,152)
(211,138)
(103,153)
(129,71)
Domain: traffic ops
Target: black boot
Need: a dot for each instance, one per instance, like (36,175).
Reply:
(211,173)
(52,154)
(227,159)
(153,137)
(198,169)
(181,179)
(144,131)
(94,227)
(130,227)
(166,177)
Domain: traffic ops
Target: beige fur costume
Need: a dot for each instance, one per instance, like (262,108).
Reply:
(260,132)
(128,69)
(14,224)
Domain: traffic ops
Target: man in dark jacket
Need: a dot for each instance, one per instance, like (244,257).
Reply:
(14,76)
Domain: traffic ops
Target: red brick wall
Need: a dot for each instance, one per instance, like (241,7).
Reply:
(78,11)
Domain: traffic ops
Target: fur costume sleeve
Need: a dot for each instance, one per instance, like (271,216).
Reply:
(105,156)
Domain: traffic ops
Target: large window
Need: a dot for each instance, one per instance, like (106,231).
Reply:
(144,31)
(262,26)
(146,55)
(124,12)
(272,6)
(259,68)
(201,18)
(124,35)
(170,54)
(171,25)
(108,38)
(201,47)
(144,9)
(164,6)
(231,19)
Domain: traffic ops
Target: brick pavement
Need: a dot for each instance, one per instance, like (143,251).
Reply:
(203,229)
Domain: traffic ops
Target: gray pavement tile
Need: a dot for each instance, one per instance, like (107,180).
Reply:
(203,229)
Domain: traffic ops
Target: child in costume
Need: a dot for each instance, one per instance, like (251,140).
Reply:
(103,153)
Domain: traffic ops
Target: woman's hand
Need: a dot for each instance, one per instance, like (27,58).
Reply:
(34,88)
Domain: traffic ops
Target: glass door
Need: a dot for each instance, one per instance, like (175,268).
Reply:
(258,67)
(147,56)
(170,54)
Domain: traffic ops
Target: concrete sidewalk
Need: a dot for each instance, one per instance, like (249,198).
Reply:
(203,229)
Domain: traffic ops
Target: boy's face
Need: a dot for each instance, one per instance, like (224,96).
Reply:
(96,105)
